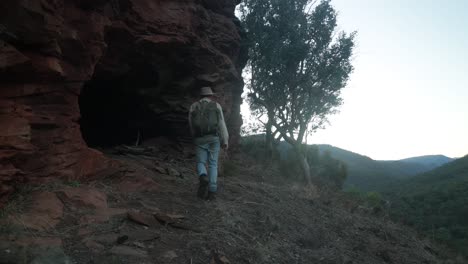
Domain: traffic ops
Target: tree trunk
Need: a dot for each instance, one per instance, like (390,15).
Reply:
(306,169)
(304,164)
(269,138)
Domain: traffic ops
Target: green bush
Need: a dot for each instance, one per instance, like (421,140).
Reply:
(326,170)
(374,199)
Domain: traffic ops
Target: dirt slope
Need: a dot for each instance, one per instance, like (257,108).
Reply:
(147,212)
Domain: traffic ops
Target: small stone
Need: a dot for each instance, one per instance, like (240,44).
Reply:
(176,216)
(218,258)
(128,251)
(94,246)
(173,172)
(142,235)
(224,260)
(170,255)
(142,219)
(160,170)
(139,244)
(108,239)
(164,218)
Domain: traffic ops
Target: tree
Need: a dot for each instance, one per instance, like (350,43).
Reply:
(298,66)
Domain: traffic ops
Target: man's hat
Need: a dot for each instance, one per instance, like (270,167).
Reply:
(206,91)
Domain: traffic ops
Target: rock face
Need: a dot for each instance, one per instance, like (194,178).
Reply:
(81,73)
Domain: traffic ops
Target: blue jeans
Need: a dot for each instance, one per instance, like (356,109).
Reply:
(207,152)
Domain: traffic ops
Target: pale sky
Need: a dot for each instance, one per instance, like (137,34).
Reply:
(408,95)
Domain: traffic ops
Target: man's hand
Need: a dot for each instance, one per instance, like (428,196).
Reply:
(224,146)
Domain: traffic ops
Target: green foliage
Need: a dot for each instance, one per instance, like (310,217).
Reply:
(374,199)
(73,183)
(297,65)
(375,175)
(370,200)
(333,171)
(326,170)
(436,203)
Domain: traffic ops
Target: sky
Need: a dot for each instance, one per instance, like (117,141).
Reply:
(408,94)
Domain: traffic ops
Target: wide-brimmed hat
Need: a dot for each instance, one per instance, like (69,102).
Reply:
(206,91)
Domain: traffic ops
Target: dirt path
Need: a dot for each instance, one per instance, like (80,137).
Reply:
(147,212)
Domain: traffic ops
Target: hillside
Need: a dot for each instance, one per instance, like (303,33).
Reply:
(452,172)
(368,174)
(435,202)
(147,212)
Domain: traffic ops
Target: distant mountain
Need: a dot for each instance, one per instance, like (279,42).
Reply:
(368,174)
(433,161)
(417,165)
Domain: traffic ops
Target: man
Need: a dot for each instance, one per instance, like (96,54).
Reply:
(209,130)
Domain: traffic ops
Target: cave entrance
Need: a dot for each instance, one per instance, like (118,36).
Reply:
(116,109)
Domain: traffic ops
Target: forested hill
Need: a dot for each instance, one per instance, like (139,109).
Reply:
(455,172)
(367,174)
(435,202)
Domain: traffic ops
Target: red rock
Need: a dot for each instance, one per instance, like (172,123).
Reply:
(10,57)
(45,212)
(94,246)
(101,216)
(51,49)
(142,218)
(84,197)
(163,219)
(137,183)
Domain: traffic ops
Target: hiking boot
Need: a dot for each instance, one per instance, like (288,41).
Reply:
(211,196)
(203,187)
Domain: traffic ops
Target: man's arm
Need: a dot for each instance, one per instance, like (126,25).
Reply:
(222,128)
(190,119)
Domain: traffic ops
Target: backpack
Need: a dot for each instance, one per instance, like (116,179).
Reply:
(205,118)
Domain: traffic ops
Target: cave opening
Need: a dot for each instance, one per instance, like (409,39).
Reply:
(116,109)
